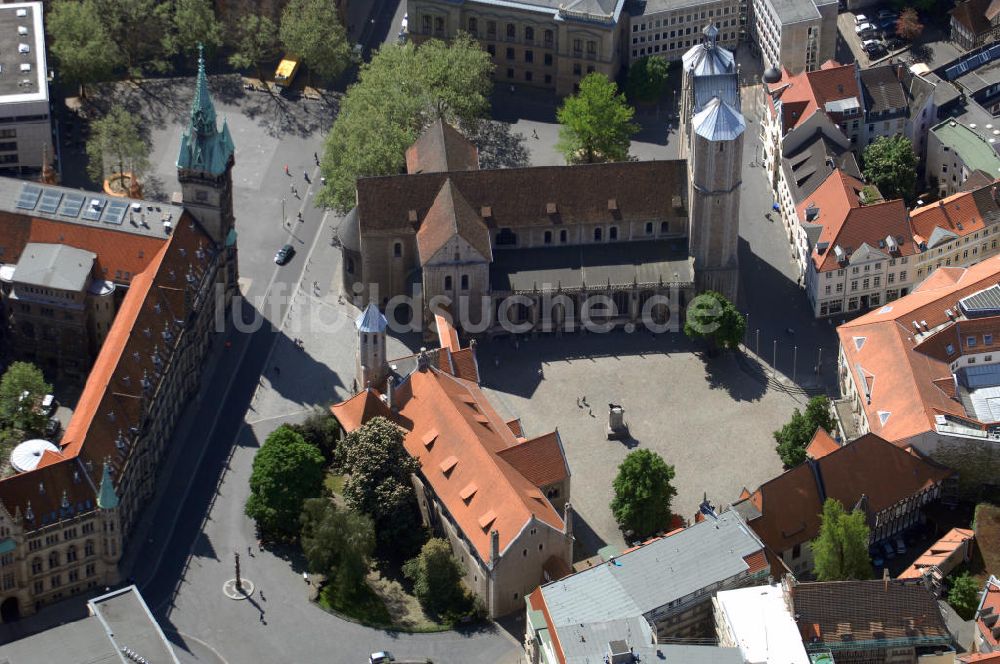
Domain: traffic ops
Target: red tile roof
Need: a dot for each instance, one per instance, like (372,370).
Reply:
(989,603)
(963,214)
(805,93)
(821,444)
(541,459)
(441,148)
(450,216)
(359,409)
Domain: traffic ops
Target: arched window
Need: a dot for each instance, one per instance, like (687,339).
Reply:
(438,24)
(397,249)
(465,282)
(88,548)
(447,283)
(613,233)
(36,565)
(506,237)
(511,31)
(473,26)
(529,34)
(598,234)
(563,236)
(53,559)
(664,227)
(548,237)
(71,554)
(549,38)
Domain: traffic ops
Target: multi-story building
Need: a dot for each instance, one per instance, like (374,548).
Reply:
(974,23)
(25,126)
(887,483)
(66,515)
(923,372)
(758,621)
(797,35)
(957,231)
(657,592)
(669,28)
(499,497)
(954,152)
(542,43)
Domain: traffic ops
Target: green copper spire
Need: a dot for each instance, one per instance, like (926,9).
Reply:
(203,146)
(106,497)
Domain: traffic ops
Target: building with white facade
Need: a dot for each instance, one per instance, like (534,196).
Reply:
(798,35)
(758,621)
(25,125)
(955,151)
(668,28)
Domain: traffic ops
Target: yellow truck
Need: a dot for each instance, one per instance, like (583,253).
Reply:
(284,75)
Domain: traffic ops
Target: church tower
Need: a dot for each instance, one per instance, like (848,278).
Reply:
(373,366)
(109,522)
(205,172)
(713,130)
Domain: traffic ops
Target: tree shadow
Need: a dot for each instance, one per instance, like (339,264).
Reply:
(742,381)
(499,147)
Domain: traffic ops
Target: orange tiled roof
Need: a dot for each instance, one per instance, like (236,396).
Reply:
(939,552)
(805,93)
(539,459)
(989,600)
(359,409)
(964,213)
(449,216)
(980,658)
(821,444)
(906,373)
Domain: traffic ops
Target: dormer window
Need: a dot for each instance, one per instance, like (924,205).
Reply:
(970,342)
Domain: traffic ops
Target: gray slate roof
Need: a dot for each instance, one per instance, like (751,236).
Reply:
(655,574)
(882,89)
(724,86)
(597,8)
(54,266)
(708,58)
(588,643)
(807,168)
(718,121)
(371,320)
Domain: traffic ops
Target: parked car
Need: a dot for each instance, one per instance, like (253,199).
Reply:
(49,404)
(887,13)
(284,254)
(895,43)
(859,19)
(900,546)
(872,46)
(864,28)
(890,552)
(381,657)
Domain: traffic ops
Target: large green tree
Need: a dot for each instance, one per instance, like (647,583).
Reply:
(596,123)
(647,78)
(840,552)
(891,165)
(378,483)
(793,438)
(643,492)
(18,410)
(437,578)
(963,595)
(321,429)
(337,543)
(116,145)
(254,41)
(712,318)
(81,43)
(398,93)
(311,29)
(193,23)
(286,472)
(142,29)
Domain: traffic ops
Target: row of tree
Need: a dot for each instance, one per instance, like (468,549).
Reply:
(95,40)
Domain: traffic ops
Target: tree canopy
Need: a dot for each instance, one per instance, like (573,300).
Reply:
(716,320)
(793,438)
(311,29)
(596,123)
(378,482)
(286,472)
(840,553)
(647,78)
(193,23)
(337,543)
(81,44)
(142,29)
(19,412)
(891,165)
(254,41)
(437,579)
(643,492)
(402,90)
(908,25)
(116,144)
(321,429)
(963,595)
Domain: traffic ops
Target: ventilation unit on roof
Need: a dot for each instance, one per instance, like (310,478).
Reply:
(924,323)
(811,212)
(838,251)
(916,326)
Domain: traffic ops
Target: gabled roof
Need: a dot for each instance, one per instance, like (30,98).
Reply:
(451,215)
(821,444)
(360,408)
(540,459)
(957,215)
(989,604)
(811,163)
(830,89)
(441,148)
(883,89)
(972,15)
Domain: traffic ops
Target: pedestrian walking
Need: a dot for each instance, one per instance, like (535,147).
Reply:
(262,616)
(305,176)
(262,598)
(534,133)
(316,157)
(249,550)
(578,402)
(286,170)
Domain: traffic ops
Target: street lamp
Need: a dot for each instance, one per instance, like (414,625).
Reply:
(283,212)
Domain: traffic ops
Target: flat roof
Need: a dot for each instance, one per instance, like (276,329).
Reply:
(44,201)
(22,42)
(54,266)
(795,11)
(650,7)
(129,625)
(969,145)
(573,266)
(762,625)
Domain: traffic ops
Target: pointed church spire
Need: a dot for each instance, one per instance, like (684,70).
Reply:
(106,497)
(204,147)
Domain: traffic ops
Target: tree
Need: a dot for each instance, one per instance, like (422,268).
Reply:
(437,578)
(840,552)
(312,30)
(793,438)
(378,482)
(116,142)
(255,41)
(398,93)
(17,410)
(596,123)
(286,471)
(643,492)
(193,23)
(964,595)
(142,31)
(716,320)
(647,78)
(337,543)
(908,25)
(891,165)
(82,46)
(321,429)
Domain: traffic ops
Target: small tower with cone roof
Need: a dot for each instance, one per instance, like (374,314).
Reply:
(373,367)
(109,520)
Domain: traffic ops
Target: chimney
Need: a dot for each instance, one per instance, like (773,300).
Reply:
(390,387)
(568,517)
(423,362)
(494,547)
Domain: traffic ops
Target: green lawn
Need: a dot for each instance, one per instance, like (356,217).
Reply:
(335,483)
(368,608)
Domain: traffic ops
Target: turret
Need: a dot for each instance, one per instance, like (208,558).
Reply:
(108,518)
(373,367)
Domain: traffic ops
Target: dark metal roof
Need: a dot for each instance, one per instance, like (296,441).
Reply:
(882,89)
